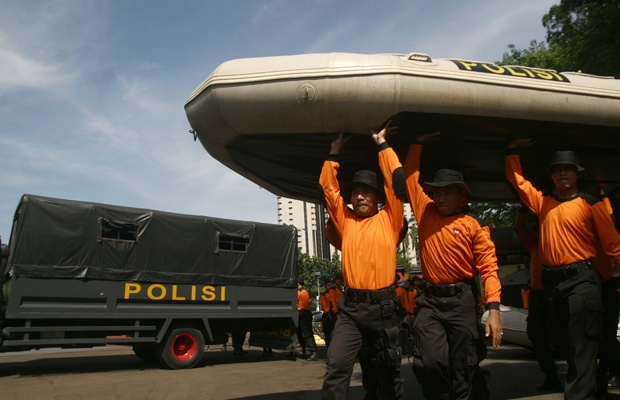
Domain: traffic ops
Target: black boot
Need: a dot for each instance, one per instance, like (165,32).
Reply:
(550,384)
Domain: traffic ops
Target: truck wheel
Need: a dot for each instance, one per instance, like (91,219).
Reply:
(146,352)
(183,348)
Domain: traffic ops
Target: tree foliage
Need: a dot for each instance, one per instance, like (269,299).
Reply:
(582,35)
(496,214)
(537,55)
(310,265)
(586,32)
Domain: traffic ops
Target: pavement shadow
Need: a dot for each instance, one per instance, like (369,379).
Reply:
(98,362)
(75,365)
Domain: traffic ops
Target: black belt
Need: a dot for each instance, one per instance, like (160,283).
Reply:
(446,289)
(370,296)
(565,272)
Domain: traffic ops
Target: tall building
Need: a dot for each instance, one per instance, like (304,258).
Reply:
(310,231)
(310,235)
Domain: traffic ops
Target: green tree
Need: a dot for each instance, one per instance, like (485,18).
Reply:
(582,35)
(537,55)
(496,214)
(586,33)
(310,265)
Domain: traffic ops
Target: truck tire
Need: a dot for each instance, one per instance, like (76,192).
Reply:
(146,352)
(183,348)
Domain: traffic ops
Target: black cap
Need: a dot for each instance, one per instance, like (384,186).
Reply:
(446,177)
(565,157)
(362,178)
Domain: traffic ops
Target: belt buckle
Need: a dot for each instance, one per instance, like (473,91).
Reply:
(440,291)
(367,296)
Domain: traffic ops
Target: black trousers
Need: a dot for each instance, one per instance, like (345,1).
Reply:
(237,340)
(445,340)
(305,335)
(609,347)
(576,314)
(363,324)
(538,331)
(328,322)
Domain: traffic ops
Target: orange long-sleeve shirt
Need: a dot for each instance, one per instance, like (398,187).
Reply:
(303,300)
(525,297)
(404,298)
(568,229)
(531,244)
(452,248)
(368,244)
(412,295)
(325,302)
(334,297)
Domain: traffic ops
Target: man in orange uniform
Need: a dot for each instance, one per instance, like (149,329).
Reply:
(327,320)
(537,316)
(609,347)
(369,241)
(570,222)
(525,295)
(335,295)
(369,375)
(412,292)
(304,328)
(402,285)
(454,249)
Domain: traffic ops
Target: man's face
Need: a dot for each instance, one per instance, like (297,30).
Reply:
(328,286)
(450,200)
(564,176)
(365,201)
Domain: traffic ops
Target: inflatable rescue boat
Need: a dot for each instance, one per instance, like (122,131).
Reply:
(271,119)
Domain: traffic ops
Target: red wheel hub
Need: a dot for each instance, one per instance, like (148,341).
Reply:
(184,346)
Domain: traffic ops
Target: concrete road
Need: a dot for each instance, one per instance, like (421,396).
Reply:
(115,373)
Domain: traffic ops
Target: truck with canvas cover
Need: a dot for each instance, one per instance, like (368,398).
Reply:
(80,274)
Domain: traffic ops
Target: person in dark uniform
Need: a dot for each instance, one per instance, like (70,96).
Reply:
(537,319)
(369,240)
(454,250)
(570,223)
(304,328)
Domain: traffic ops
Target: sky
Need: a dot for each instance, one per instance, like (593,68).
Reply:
(92,92)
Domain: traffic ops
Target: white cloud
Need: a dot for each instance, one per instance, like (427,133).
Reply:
(40,42)
(17,70)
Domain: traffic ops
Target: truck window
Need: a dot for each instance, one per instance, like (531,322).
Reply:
(228,242)
(116,230)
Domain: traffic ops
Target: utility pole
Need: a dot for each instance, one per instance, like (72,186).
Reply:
(318,290)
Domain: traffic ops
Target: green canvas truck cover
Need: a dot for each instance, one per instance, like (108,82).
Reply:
(56,238)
